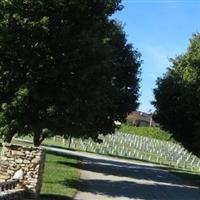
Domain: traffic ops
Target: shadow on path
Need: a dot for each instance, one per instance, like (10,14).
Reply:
(118,179)
(121,169)
(133,181)
(133,190)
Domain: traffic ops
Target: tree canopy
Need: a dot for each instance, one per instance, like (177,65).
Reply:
(65,68)
(177,97)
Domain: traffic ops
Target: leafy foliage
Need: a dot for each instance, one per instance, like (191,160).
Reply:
(72,62)
(132,119)
(177,97)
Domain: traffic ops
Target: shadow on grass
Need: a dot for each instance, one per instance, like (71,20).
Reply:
(53,197)
(61,154)
(68,183)
(58,147)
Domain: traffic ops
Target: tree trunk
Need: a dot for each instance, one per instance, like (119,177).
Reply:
(70,140)
(8,137)
(36,139)
(64,140)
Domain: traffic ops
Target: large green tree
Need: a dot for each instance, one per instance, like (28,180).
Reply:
(177,97)
(65,68)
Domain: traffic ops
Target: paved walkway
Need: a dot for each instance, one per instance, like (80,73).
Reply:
(106,178)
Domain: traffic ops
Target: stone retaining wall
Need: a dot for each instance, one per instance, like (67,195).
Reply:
(25,163)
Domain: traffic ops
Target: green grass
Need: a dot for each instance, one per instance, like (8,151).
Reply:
(60,175)
(151,132)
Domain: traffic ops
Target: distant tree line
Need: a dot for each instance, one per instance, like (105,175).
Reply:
(65,68)
(177,97)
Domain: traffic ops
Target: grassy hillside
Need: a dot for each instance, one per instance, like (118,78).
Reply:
(152,132)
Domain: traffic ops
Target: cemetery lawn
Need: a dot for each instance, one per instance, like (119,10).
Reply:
(60,175)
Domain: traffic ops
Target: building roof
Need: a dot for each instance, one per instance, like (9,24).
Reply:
(142,116)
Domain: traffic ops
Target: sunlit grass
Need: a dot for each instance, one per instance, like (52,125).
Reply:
(151,132)
(60,175)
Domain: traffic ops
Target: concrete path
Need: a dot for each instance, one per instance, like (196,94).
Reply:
(104,178)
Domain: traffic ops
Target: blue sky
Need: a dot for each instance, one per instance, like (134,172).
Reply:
(159,29)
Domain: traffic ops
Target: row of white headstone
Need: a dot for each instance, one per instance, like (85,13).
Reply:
(142,148)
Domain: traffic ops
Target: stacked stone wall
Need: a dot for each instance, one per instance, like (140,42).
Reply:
(26,163)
